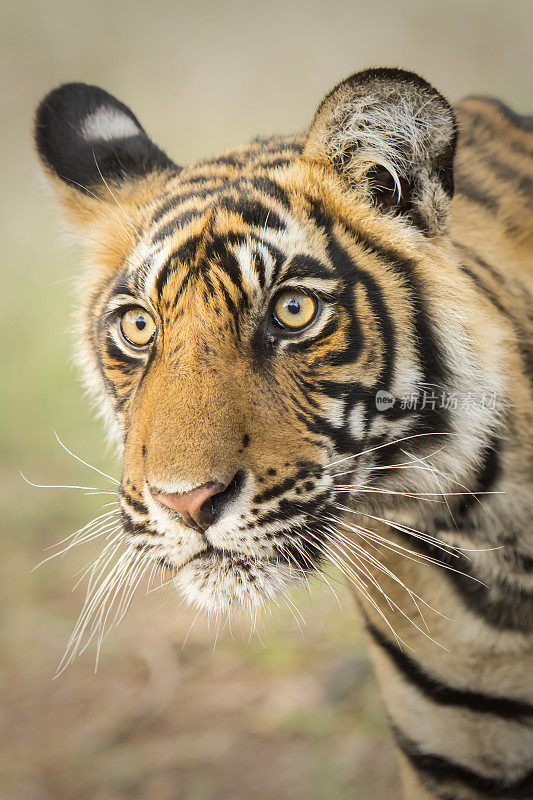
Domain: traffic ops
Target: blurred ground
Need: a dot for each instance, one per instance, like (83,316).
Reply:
(297,717)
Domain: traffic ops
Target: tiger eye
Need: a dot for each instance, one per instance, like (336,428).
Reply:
(294,310)
(137,327)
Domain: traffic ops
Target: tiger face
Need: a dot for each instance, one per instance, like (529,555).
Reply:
(242,317)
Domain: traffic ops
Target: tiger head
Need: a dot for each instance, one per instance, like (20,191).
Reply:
(249,325)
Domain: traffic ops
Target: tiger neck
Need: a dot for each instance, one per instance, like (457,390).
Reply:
(455,670)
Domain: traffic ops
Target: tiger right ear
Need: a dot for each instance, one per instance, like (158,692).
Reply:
(392,137)
(97,156)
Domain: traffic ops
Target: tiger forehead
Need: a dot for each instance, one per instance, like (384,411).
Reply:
(233,237)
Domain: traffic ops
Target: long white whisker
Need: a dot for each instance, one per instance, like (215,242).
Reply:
(63,486)
(106,205)
(85,463)
(389,444)
(127,217)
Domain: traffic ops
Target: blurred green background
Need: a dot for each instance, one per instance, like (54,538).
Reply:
(290,714)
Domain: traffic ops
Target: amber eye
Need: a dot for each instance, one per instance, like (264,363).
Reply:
(137,327)
(294,309)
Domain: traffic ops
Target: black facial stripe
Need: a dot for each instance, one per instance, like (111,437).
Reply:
(431,358)
(304,266)
(163,275)
(137,529)
(234,320)
(125,362)
(175,201)
(306,471)
(303,343)
(350,272)
(218,252)
(441,693)
(123,285)
(273,190)
(259,266)
(340,438)
(178,221)
(443,771)
(185,254)
(134,504)
(254,213)
(288,509)
(306,390)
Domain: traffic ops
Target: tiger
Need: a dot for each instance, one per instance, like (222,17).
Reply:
(318,348)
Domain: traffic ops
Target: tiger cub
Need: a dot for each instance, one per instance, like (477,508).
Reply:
(319,348)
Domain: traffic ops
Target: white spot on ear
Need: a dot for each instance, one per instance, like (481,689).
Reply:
(108,123)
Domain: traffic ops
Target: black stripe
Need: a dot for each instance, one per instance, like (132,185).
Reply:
(176,200)
(273,190)
(140,508)
(253,213)
(523,337)
(442,771)
(501,605)
(444,695)
(218,252)
(176,222)
(435,370)
(522,121)
(486,476)
(304,266)
(126,363)
(164,274)
(474,192)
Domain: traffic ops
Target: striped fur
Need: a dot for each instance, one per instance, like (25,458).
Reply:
(424,296)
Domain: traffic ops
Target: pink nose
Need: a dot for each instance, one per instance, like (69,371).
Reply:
(196,507)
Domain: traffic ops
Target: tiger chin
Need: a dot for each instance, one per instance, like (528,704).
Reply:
(318,348)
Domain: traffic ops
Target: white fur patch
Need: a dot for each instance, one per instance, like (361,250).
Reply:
(106,124)
(356,421)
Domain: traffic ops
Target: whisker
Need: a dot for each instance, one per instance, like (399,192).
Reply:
(389,444)
(106,205)
(396,606)
(127,217)
(412,555)
(89,536)
(63,486)
(85,463)
(80,530)
(353,578)
(111,250)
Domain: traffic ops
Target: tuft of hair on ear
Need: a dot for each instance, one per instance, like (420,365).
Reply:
(98,157)
(392,137)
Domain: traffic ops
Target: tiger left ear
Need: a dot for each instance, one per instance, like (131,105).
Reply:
(392,137)
(99,159)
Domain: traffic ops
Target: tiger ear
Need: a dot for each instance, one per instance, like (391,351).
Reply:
(97,156)
(392,136)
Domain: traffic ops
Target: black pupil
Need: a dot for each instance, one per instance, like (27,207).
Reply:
(140,322)
(293,306)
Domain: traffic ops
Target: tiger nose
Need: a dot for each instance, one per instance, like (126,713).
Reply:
(199,507)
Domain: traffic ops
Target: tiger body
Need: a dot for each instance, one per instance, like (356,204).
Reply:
(426,502)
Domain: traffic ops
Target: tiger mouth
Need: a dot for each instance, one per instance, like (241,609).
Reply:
(234,556)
